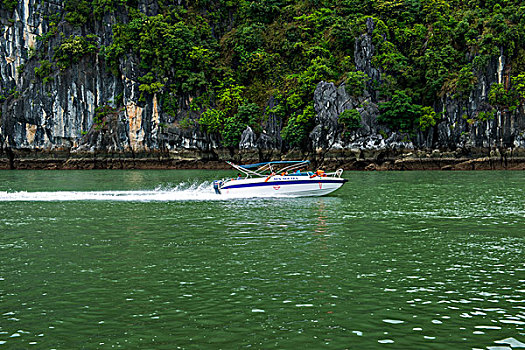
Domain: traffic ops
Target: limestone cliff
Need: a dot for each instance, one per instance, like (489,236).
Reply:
(85,116)
(457,138)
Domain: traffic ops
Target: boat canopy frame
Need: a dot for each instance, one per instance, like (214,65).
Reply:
(269,167)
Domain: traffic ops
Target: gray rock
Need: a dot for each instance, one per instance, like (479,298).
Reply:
(248,139)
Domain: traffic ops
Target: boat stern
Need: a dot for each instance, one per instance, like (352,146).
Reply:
(217,186)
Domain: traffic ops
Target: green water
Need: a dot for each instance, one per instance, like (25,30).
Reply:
(401,260)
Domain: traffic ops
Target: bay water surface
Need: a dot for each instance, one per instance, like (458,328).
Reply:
(155,259)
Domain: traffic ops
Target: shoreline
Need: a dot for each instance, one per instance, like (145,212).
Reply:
(356,161)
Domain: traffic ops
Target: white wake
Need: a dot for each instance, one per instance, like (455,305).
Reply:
(181,192)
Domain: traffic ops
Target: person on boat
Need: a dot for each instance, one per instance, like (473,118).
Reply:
(239,176)
(319,173)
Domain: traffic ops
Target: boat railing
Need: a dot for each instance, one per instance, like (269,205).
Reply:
(267,171)
(336,173)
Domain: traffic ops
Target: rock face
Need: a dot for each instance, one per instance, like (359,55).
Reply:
(85,116)
(456,135)
(83,108)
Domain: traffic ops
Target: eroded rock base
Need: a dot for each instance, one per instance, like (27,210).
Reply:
(347,159)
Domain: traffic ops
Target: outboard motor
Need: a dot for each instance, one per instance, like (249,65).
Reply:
(217,186)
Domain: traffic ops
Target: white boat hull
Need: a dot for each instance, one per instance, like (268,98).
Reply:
(281,186)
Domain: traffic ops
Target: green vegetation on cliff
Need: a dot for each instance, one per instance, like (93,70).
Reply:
(230,57)
(9,5)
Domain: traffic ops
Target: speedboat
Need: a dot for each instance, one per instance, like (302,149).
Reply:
(279,179)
